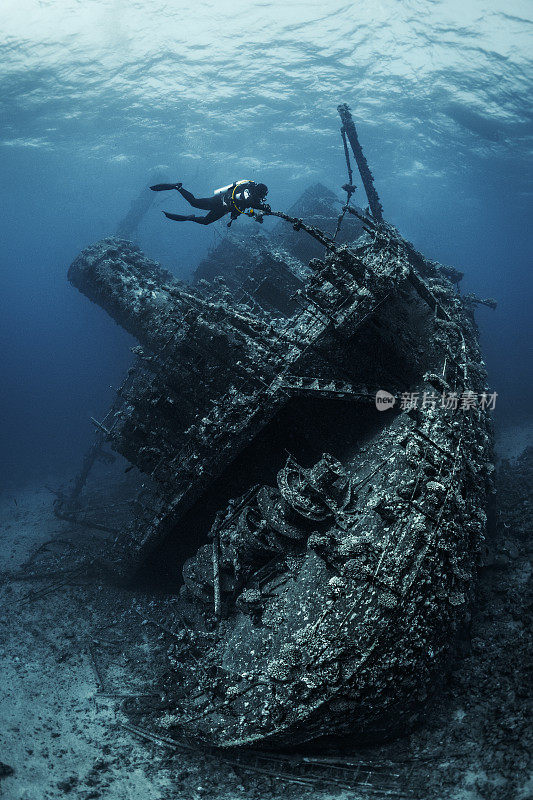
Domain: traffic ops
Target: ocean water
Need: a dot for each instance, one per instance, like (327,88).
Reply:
(96,95)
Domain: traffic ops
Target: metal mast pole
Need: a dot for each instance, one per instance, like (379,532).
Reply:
(366,176)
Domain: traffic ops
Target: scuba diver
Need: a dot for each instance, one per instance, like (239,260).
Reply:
(237,198)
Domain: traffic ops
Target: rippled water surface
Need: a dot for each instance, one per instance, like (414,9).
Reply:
(95,94)
(235,78)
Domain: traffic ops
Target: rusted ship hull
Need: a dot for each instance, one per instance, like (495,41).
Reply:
(354,618)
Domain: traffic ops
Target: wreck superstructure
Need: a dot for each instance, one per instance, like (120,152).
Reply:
(327,547)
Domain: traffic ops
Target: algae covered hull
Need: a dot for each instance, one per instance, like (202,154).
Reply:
(325,549)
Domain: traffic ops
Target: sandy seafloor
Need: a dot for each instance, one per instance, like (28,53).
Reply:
(66,646)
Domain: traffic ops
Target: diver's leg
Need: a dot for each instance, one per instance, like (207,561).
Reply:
(205,203)
(213,216)
(179,217)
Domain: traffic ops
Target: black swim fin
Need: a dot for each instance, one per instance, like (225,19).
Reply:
(165,187)
(178,217)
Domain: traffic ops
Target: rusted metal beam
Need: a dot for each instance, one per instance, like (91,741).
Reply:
(364,170)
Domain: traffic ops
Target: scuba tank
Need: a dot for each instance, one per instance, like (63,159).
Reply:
(223,189)
(230,193)
(230,197)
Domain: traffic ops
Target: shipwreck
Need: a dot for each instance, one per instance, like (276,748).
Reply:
(322,550)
